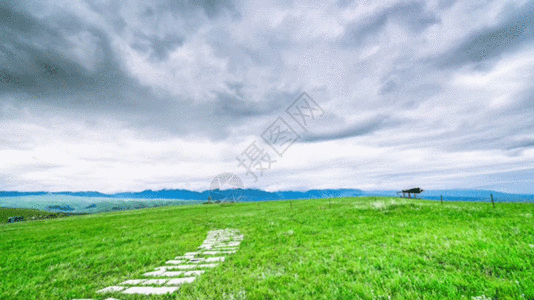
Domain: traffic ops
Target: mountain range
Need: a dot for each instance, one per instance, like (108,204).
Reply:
(260,195)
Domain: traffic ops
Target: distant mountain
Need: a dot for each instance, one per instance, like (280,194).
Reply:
(244,194)
(79,194)
(387,193)
(260,195)
(82,194)
(164,194)
(18,194)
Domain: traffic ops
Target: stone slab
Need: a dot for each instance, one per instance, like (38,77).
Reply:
(132,282)
(218,242)
(174,273)
(183,267)
(94,299)
(150,290)
(178,281)
(194,273)
(218,252)
(154,282)
(213,259)
(186,267)
(174,262)
(111,289)
(171,274)
(224,248)
(189,257)
(207,265)
(155,273)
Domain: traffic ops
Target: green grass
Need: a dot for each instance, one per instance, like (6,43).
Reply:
(6,213)
(86,204)
(349,248)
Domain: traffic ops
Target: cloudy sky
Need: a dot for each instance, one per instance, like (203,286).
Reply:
(116,96)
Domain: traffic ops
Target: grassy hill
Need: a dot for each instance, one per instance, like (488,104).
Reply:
(28,214)
(346,248)
(78,204)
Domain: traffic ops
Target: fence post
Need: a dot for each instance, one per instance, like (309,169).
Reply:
(441,199)
(492,202)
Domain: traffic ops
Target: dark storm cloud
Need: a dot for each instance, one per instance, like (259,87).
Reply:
(19,21)
(485,46)
(490,130)
(111,11)
(405,84)
(37,63)
(239,108)
(360,129)
(215,119)
(43,73)
(164,40)
(358,33)
(412,15)
(212,8)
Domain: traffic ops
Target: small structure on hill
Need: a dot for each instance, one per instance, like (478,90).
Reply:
(413,191)
(15,219)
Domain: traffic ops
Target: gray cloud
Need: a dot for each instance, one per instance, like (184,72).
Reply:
(526,143)
(360,129)
(37,59)
(158,48)
(212,8)
(445,4)
(412,15)
(52,78)
(359,33)
(484,47)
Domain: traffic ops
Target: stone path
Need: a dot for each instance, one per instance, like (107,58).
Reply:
(182,269)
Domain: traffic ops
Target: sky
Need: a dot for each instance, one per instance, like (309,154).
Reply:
(116,96)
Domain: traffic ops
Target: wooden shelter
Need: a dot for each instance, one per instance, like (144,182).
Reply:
(413,191)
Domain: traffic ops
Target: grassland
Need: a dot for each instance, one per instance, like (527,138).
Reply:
(348,248)
(28,214)
(91,205)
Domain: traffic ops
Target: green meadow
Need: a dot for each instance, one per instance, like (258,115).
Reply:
(82,205)
(346,248)
(28,214)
